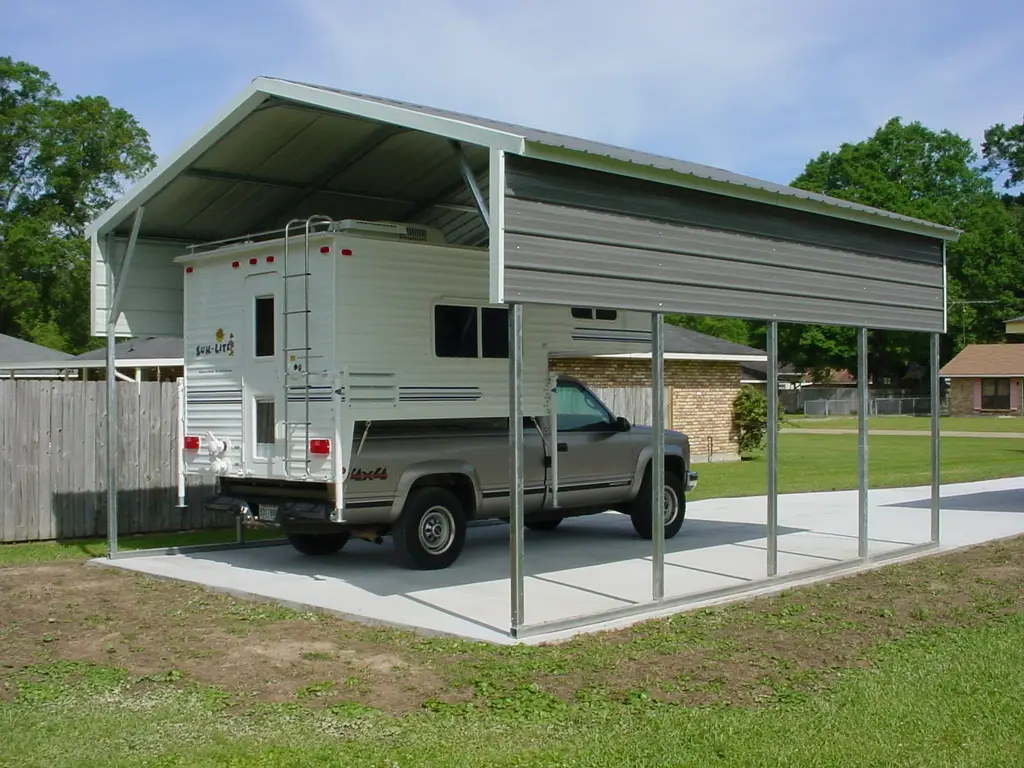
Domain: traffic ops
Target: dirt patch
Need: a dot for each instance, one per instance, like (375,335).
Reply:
(744,654)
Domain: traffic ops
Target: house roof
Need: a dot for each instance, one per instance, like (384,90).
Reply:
(687,344)
(14,350)
(147,348)
(986,360)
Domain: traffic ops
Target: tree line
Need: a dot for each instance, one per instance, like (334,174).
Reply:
(64,160)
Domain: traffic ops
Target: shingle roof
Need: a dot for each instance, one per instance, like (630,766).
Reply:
(143,348)
(14,350)
(687,341)
(987,360)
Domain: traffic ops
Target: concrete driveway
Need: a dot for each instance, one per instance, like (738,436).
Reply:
(596,563)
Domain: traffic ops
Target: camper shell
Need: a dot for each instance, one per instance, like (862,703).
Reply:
(296,337)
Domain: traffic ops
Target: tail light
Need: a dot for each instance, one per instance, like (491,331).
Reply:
(320,447)
(192,442)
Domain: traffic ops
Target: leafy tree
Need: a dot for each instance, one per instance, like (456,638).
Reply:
(729,328)
(910,169)
(1003,150)
(62,161)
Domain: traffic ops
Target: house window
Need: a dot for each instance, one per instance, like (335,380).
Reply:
(265,422)
(264,331)
(470,332)
(995,394)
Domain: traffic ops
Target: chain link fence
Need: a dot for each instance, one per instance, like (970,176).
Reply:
(877,406)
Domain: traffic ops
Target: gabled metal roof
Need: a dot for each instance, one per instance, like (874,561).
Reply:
(14,350)
(283,149)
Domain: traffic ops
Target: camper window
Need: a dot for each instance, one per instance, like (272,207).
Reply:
(464,331)
(589,313)
(264,332)
(264,427)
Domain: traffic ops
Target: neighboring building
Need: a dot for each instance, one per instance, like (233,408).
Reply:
(17,352)
(702,372)
(1015,326)
(986,378)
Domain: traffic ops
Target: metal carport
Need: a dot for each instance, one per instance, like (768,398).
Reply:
(567,221)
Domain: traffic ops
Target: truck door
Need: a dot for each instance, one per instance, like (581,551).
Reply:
(595,460)
(262,367)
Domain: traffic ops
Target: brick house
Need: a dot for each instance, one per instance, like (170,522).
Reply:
(702,372)
(986,378)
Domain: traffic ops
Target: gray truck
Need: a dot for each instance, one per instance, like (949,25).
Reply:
(422,482)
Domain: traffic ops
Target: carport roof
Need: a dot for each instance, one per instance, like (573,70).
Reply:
(309,148)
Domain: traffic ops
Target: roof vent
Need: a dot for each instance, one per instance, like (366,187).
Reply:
(390,230)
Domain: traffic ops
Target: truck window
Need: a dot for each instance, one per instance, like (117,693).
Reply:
(264,331)
(579,411)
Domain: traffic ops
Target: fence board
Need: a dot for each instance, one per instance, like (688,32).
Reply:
(86,447)
(49,449)
(635,403)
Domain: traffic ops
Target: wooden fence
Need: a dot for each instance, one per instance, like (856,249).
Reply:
(53,461)
(635,403)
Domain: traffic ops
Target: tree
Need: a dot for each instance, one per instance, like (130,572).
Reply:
(731,329)
(915,171)
(1003,150)
(62,161)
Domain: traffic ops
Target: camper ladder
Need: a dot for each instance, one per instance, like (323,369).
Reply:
(297,350)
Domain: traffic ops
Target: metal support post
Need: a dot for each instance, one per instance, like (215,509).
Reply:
(116,288)
(470,178)
(772,454)
(933,375)
(658,455)
(516,463)
(862,442)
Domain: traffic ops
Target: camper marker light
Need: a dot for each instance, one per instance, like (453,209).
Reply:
(188,270)
(270,259)
(234,265)
(192,443)
(320,447)
(254,261)
(346,251)
(325,249)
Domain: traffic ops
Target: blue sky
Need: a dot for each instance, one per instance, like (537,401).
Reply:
(757,87)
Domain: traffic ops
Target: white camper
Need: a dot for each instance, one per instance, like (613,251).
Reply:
(294,336)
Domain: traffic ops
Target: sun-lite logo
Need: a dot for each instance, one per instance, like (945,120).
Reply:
(222,346)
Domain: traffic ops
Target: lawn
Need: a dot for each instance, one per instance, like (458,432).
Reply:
(911,423)
(917,664)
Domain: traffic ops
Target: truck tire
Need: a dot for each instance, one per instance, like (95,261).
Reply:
(431,531)
(547,524)
(318,543)
(675,501)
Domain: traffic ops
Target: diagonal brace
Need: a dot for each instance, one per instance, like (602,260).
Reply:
(470,178)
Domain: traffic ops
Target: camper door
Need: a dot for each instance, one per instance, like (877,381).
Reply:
(263,374)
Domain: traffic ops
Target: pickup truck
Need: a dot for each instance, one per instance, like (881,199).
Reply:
(423,482)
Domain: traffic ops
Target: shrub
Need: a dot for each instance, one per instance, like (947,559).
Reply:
(750,416)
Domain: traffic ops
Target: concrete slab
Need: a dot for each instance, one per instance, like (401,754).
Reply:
(596,563)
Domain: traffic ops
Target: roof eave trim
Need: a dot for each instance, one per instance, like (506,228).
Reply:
(981,375)
(154,181)
(392,114)
(550,153)
(69,365)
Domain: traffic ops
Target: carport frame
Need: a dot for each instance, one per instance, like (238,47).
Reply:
(500,139)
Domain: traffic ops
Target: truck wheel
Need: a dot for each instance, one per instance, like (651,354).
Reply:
(431,530)
(548,524)
(675,507)
(318,543)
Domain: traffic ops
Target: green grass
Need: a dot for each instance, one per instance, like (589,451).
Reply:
(829,462)
(911,423)
(81,549)
(954,697)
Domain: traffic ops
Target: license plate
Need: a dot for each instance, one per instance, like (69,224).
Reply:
(268,513)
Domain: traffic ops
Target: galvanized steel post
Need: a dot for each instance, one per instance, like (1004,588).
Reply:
(772,455)
(933,375)
(516,463)
(117,283)
(658,455)
(862,441)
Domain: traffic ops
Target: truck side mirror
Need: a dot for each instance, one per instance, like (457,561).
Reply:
(622,424)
